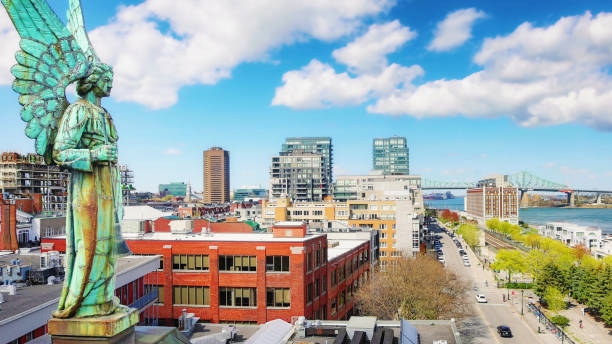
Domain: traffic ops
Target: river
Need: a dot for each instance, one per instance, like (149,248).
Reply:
(601,218)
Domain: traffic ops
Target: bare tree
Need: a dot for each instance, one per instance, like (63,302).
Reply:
(414,288)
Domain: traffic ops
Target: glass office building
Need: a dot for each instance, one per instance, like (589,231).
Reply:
(391,155)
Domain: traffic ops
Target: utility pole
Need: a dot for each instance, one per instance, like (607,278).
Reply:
(522,296)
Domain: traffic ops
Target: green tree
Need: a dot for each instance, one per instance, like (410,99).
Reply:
(560,320)
(550,276)
(510,261)
(493,224)
(606,308)
(554,299)
(470,233)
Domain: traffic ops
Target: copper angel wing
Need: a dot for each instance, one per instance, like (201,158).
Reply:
(50,59)
(76,26)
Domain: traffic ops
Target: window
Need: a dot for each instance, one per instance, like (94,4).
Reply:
(334,278)
(309,293)
(317,286)
(382,226)
(277,263)
(341,298)
(237,297)
(333,305)
(324,284)
(189,262)
(341,273)
(383,244)
(160,293)
(237,263)
(309,261)
(278,297)
(191,295)
(317,257)
(383,235)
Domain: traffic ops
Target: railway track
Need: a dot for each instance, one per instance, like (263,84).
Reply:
(497,243)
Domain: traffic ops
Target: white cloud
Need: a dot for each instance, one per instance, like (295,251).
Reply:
(536,76)
(172,151)
(9,41)
(549,164)
(317,85)
(455,29)
(367,54)
(159,46)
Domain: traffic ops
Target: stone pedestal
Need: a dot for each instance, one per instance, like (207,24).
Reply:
(117,328)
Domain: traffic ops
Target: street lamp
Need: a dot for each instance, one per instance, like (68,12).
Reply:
(522,295)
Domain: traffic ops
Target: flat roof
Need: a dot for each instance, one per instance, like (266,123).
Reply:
(28,298)
(343,246)
(217,237)
(573,226)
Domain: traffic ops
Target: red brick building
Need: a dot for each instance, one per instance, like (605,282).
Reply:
(255,277)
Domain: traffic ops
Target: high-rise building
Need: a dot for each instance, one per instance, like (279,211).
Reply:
(391,155)
(25,175)
(315,145)
(216,176)
(299,175)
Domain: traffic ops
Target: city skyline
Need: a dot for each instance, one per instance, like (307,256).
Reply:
(250,103)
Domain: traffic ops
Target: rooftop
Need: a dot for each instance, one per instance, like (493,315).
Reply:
(238,237)
(37,296)
(574,227)
(343,246)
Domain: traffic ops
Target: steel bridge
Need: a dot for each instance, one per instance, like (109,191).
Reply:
(525,182)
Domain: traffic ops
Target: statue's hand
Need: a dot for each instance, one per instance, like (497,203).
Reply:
(105,153)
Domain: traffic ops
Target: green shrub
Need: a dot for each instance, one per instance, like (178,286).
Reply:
(560,320)
(521,285)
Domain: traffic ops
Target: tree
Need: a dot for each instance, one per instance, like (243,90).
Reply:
(414,288)
(606,308)
(470,233)
(554,299)
(510,261)
(550,276)
(532,240)
(493,224)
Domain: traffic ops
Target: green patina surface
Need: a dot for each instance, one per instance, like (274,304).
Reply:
(101,326)
(80,137)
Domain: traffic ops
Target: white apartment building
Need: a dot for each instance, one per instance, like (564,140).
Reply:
(572,234)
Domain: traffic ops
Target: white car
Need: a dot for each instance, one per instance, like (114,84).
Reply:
(480,298)
(466,262)
(441,260)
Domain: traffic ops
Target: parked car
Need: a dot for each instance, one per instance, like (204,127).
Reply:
(441,260)
(466,263)
(480,298)
(504,331)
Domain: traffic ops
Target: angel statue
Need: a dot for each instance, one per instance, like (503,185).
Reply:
(80,137)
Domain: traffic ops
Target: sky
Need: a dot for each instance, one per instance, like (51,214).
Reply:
(477,87)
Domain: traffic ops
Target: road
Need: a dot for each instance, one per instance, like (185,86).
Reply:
(482,327)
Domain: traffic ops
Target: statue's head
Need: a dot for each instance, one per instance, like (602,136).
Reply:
(99,81)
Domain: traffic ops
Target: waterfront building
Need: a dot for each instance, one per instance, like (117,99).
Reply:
(26,310)
(391,155)
(177,189)
(375,184)
(25,175)
(493,197)
(216,176)
(572,234)
(222,272)
(250,194)
(300,175)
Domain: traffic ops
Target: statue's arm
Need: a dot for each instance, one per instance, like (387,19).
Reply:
(65,151)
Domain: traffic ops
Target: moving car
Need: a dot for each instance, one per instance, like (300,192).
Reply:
(480,298)
(504,331)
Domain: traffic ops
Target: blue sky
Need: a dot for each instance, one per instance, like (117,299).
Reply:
(477,87)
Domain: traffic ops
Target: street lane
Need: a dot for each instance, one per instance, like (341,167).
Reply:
(489,315)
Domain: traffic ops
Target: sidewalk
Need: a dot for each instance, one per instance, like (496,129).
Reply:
(593,332)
